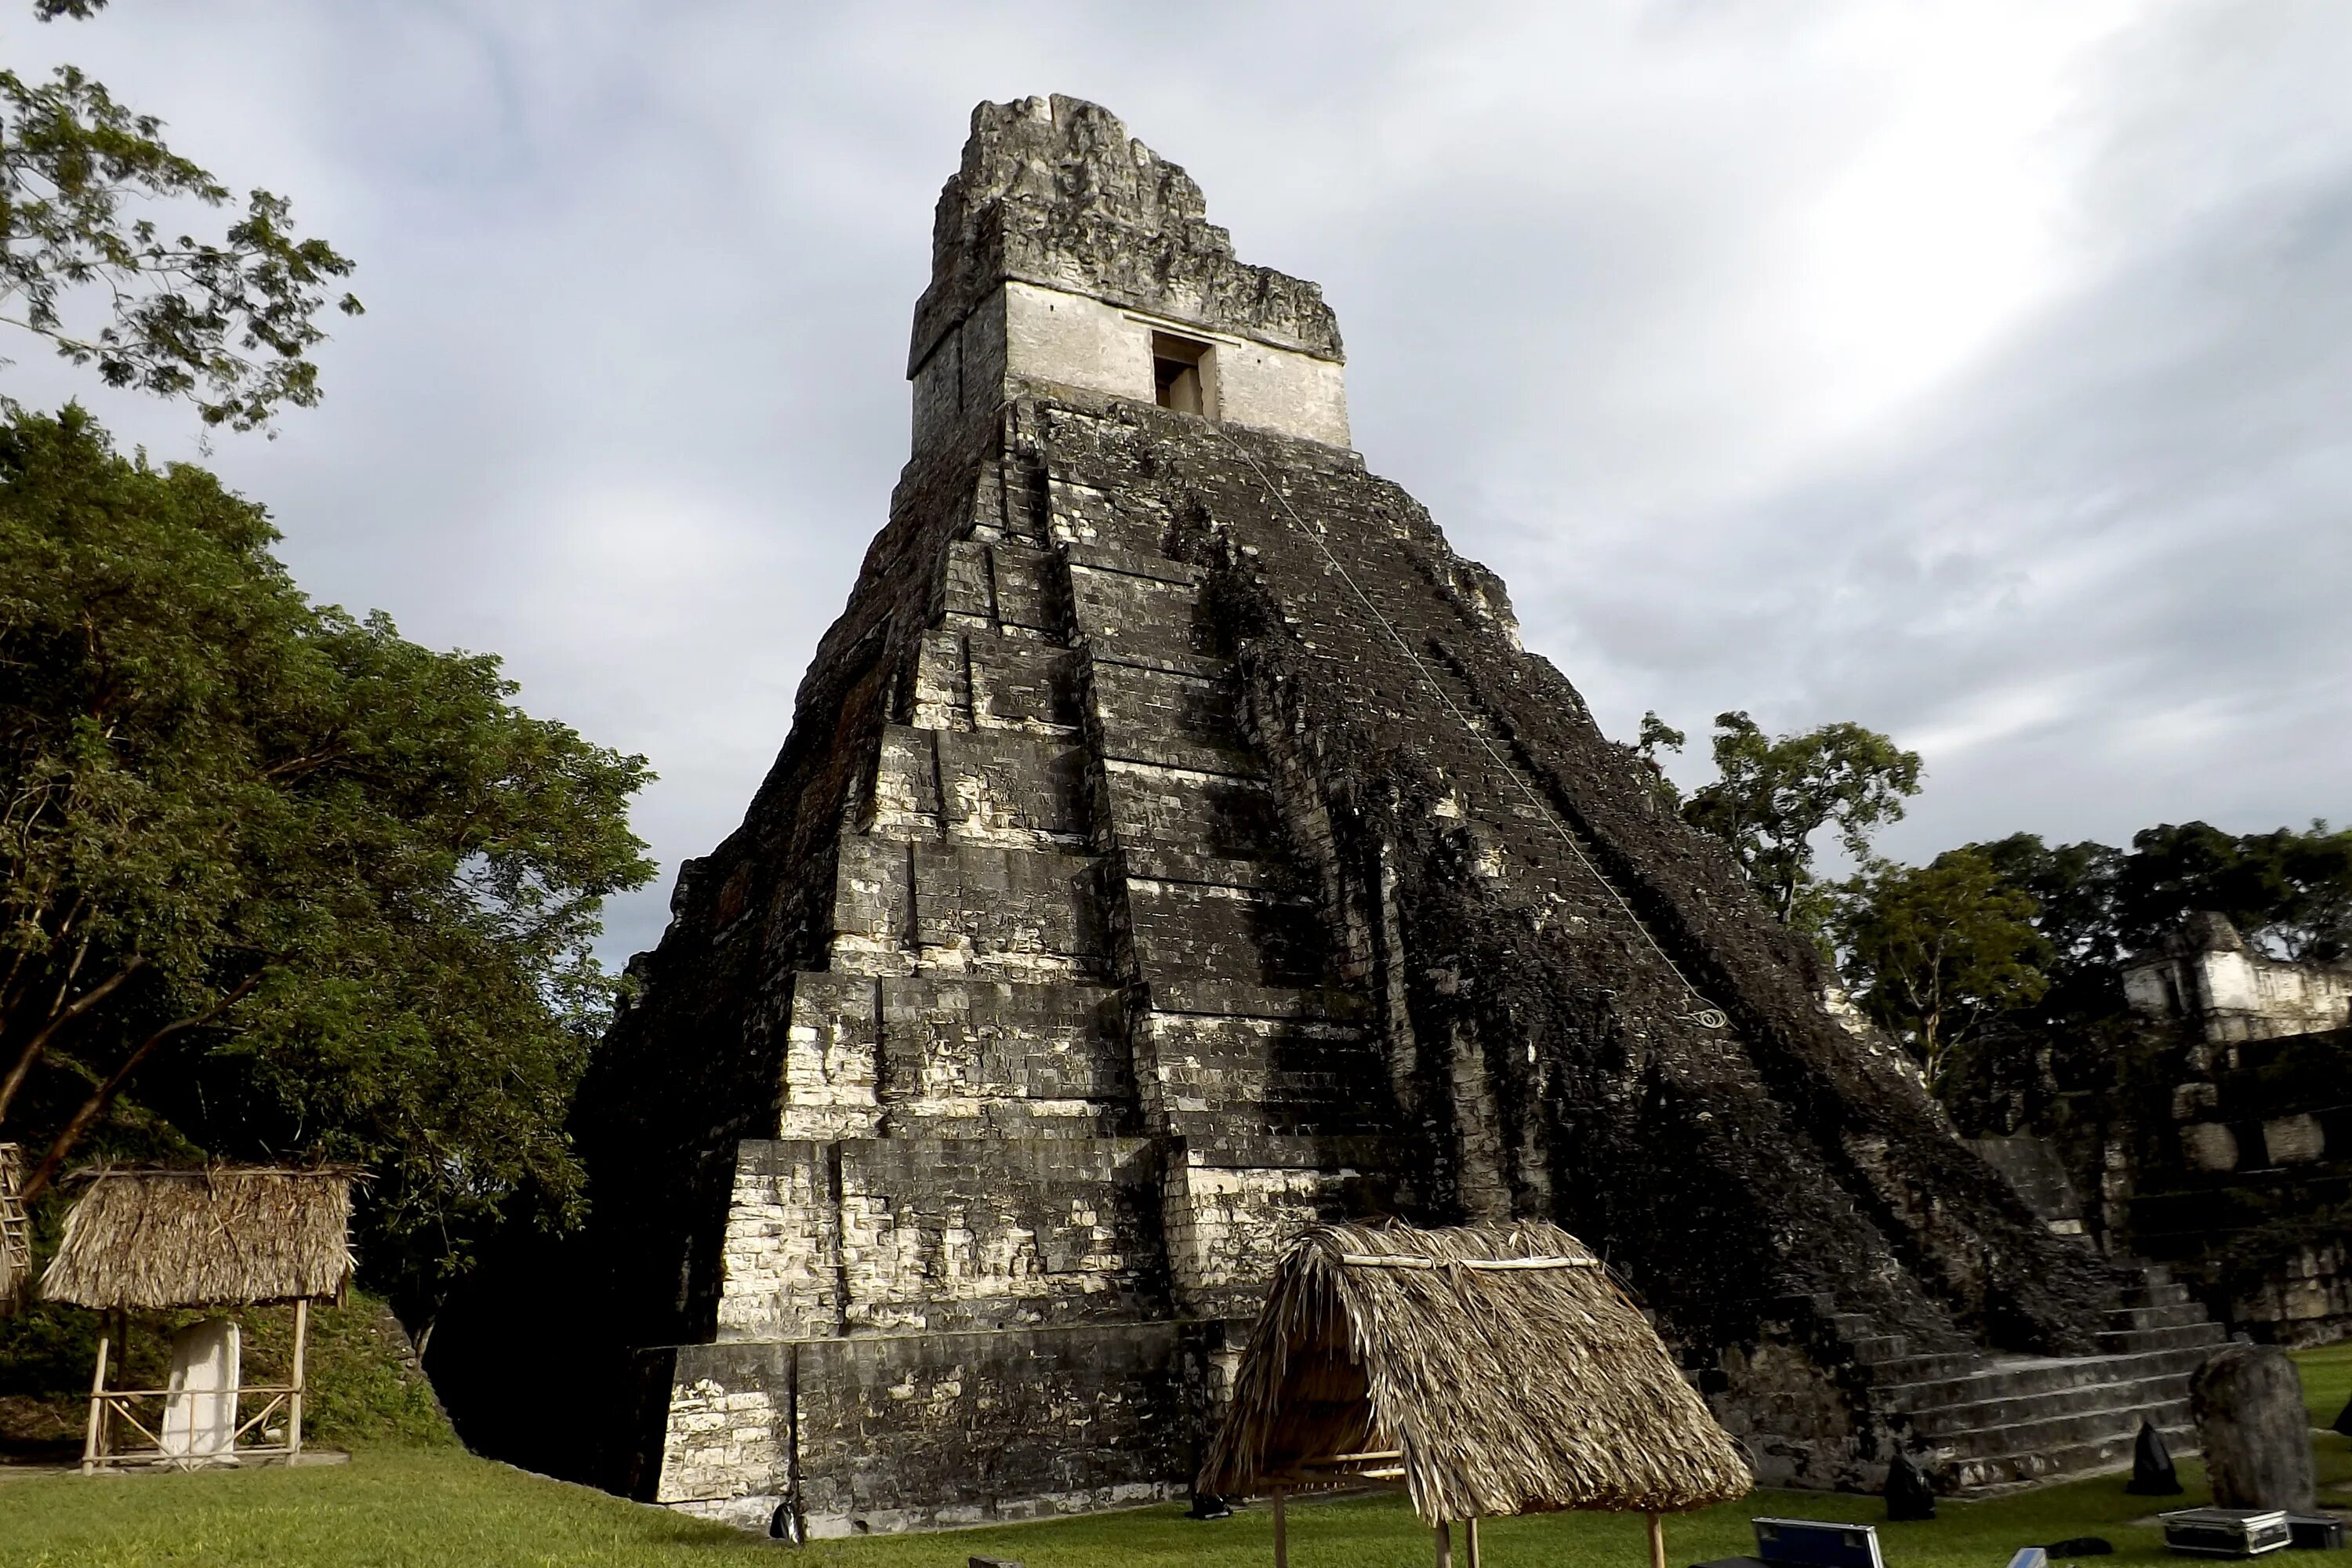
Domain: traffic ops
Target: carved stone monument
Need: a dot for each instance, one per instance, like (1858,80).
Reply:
(200,1410)
(2256,1434)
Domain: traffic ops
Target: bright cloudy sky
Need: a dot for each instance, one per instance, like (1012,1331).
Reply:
(1978,371)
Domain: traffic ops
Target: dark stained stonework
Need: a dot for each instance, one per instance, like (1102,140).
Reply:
(1174,846)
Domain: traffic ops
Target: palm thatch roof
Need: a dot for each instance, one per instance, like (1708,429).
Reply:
(1494,1369)
(223,1237)
(16,1234)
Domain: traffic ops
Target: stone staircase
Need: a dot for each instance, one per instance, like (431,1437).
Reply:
(1997,1421)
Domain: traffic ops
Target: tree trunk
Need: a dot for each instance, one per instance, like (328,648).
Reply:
(86,1115)
(58,1019)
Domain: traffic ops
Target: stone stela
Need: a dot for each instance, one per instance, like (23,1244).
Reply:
(1174,846)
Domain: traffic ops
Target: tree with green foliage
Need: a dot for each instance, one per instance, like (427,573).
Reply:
(1658,737)
(2288,893)
(228,322)
(2073,887)
(1773,794)
(276,882)
(1935,952)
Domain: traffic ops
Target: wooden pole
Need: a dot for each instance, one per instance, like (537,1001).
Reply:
(1445,1545)
(1281,1532)
(294,1400)
(1657,1541)
(92,1440)
(1470,1542)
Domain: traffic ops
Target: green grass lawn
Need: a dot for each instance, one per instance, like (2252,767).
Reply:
(2327,1381)
(396,1507)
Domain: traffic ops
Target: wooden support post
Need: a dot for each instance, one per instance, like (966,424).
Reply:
(93,1441)
(1657,1541)
(1470,1542)
(1281,1532)
(1445,1545)
(294,1400)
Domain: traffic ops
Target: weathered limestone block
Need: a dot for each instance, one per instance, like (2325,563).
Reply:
(2254,1429)
(1004,1055)
(949,1234)
(1138,616)
(1272,938)
(2305,1300)
(1276,1076)
(971,585)
(1019,684)
(874,907)
(1017,791)
(1025,582)
(1082,513)
(1011,912)
(969,677)
(1189,710)
(1211,813)
(988,1426)
(1002,587)
(781,1253)
(726,1443)
(831,1068)
(1225,1223)
(2209,1146)
(1011,789)
(942,695)
(2293,1140)
(907,785)
(1793,1422)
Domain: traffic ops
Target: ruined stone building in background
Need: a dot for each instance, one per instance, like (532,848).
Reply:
(2227,1151)
(2207,978)
(1174,846)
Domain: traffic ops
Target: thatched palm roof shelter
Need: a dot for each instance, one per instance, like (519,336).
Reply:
(223,1237)
(16,1234)
(1492,1369)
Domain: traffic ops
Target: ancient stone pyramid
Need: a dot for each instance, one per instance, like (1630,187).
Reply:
(1175,846)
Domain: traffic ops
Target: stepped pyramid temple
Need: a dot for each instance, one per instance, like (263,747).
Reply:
(1174,846)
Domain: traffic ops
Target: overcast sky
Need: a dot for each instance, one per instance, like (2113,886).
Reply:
(1978,371)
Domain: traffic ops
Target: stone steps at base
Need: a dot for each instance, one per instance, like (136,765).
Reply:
(2011,1408)
(2200,1335)
(2076,1459)
(1996,1380)
(1904,1371)
(2056,1434)
(2171,1315)
(2012,1423)
(2165,1295)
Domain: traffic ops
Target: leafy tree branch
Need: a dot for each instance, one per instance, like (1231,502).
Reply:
(1773,794)
(229,324)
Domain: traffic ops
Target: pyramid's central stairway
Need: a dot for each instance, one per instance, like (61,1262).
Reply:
(1173,848)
